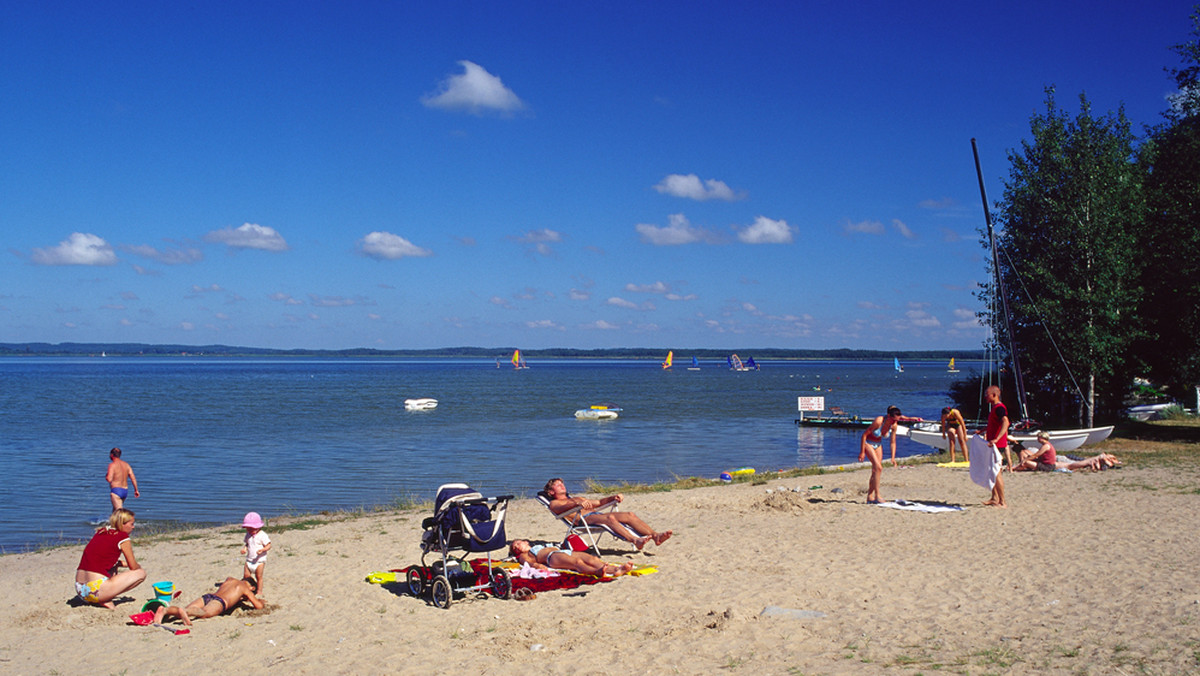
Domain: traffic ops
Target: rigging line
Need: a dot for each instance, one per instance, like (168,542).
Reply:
(1042,322)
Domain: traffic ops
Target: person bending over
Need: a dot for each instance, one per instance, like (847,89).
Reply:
(620,522)
(546,557)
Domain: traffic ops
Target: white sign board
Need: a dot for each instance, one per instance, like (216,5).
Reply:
(810,403)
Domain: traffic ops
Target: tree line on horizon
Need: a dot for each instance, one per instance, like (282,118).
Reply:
(173,350)
(1098,234)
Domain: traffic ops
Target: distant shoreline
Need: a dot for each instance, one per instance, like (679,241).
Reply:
(175,350)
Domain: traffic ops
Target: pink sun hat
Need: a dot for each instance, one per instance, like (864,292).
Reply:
(252,520)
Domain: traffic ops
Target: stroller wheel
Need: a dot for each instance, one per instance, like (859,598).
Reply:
(501,584)
(416,584)
(442,594)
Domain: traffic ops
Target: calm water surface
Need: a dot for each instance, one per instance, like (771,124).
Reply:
(212,439)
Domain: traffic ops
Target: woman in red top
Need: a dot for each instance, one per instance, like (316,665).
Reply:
(96,579)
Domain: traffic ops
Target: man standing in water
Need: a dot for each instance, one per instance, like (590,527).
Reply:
(118,477)
(996,435)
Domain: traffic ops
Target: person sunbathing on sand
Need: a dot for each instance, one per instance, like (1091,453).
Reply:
(619,522)
(231,592)
(1099,462)
(546,557)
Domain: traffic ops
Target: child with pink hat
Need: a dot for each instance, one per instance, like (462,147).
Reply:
(256,548)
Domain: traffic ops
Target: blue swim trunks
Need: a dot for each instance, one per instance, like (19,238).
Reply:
(120,492)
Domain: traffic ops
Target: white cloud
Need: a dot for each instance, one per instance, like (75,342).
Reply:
(691,187)
(766,231)
(656,287)
(867,227)
(386,246)
(474,91)
(675,296)
(248,236)
(177,256)
(286,299)
(576,294)
(621,302)
(903,229)
(601,324)
(679,231)
(331,301)
(544,324)
(540,240)
(78,249)
(922,319)
(502,302)
(965,319)
(938,205)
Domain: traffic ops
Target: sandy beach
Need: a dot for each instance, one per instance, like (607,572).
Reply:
(1084,573)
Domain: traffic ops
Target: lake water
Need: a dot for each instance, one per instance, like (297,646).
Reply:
(211,439)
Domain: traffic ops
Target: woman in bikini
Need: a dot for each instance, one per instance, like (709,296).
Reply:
(871,446)
(546,557)
(96,579)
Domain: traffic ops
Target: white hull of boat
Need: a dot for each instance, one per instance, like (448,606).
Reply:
(1147,411)
(421,404)
(1063,440)
(595,414)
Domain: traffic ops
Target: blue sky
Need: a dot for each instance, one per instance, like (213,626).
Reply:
(590,174)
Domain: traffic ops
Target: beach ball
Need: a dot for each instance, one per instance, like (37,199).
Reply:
(726,477)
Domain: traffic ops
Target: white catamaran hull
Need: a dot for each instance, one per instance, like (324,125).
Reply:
(421,404)
(1063,440)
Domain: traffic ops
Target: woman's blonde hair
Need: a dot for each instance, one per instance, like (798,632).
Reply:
(118,518)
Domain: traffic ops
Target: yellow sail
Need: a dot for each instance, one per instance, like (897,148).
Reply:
(670,357)
(516,359)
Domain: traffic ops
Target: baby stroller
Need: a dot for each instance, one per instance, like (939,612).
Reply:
(466,521)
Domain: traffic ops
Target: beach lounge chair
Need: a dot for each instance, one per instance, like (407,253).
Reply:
(590,533)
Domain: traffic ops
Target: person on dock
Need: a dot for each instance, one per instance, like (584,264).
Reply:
(871,446)
(119,476)
(996,436)
(954,428)
(96,579)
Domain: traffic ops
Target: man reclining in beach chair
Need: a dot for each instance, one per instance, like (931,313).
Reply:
(591,519)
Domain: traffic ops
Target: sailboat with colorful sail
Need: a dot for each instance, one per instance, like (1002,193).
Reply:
(695,365)
(670,358)
(896,365)
(950,368)
(518,361)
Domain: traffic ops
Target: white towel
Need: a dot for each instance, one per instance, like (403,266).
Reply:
(919,506)
(986,463)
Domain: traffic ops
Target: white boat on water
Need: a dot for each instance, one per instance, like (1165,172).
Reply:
(420,404)
(597,412)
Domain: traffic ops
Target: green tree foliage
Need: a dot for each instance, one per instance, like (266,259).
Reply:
(1069,216)
(1170,242)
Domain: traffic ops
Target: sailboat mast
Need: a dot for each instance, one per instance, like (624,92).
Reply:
(1012,341)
